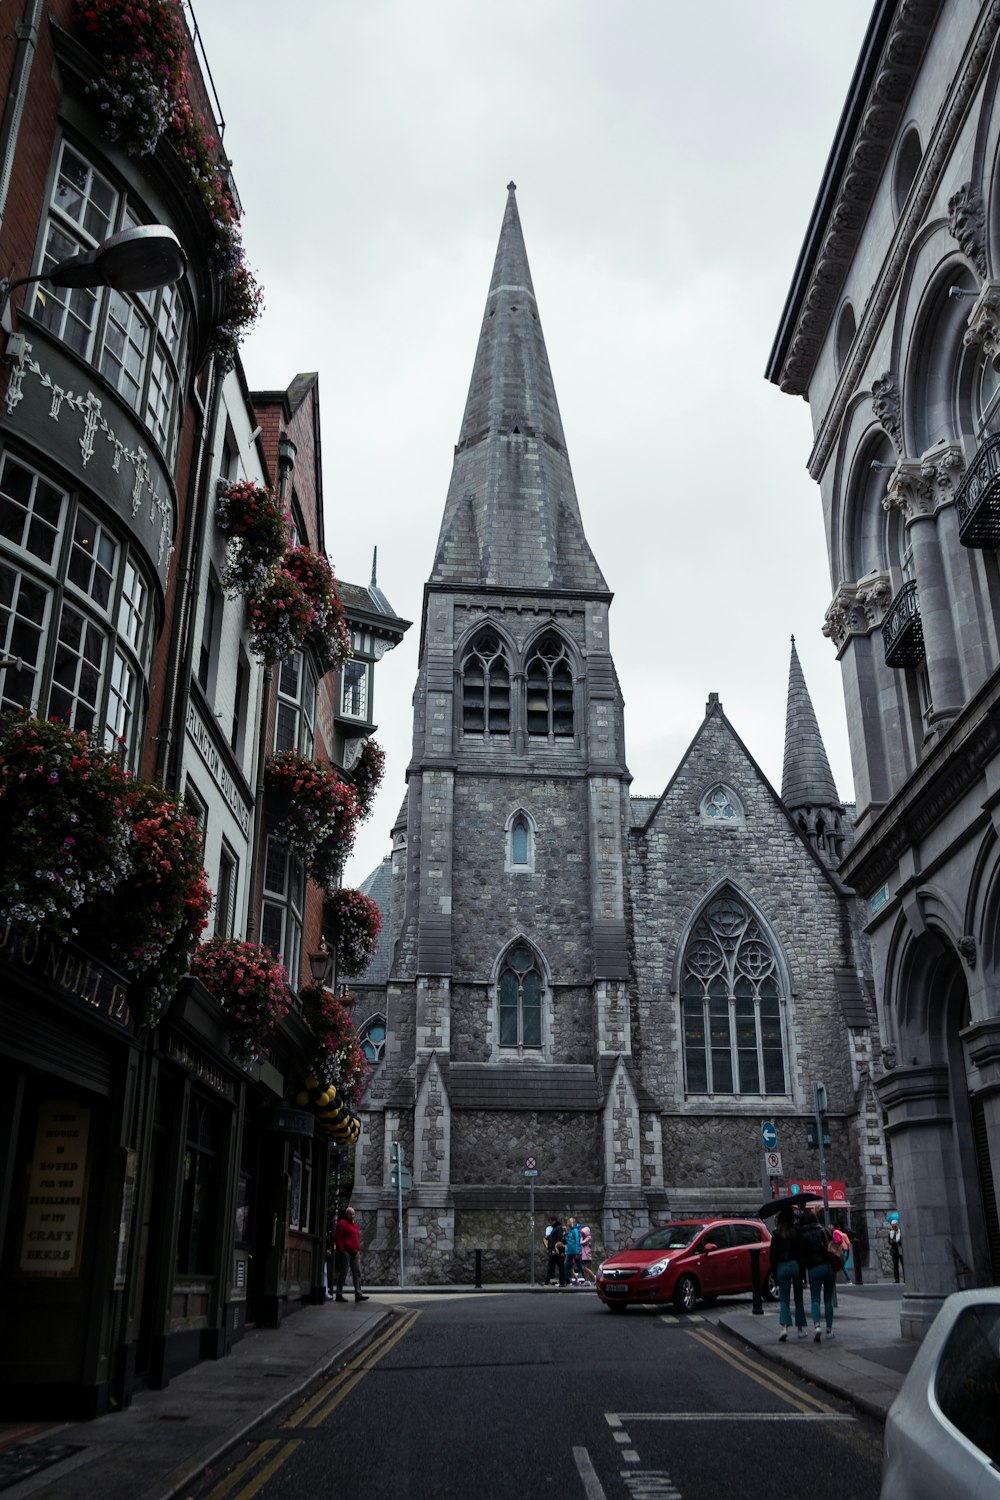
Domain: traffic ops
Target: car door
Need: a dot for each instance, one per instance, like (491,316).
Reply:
(746,1236)
(717,1266)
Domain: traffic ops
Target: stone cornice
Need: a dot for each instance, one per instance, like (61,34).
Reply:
(795,375)
(851,195)
(954,765)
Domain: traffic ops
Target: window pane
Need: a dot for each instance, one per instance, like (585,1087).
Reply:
(531,1007)
(30,510)
(519,843)
(694,1046)
(508,1009)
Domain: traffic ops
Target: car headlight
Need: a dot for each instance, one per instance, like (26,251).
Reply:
(600,1269)
(657,1268)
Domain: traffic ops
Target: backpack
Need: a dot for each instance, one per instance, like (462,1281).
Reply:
(836,1254)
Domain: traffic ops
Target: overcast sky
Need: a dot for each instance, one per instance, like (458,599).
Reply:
(667,156)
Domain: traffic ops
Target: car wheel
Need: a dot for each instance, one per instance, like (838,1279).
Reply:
(618,1307)
(771,1287)
(686,1294)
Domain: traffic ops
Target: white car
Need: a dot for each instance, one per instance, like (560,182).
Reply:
(942,1434)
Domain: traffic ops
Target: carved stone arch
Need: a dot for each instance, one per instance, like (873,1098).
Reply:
(932,326)
(870,538)
(484,671)
(553,672)
(847,328)
(906,166)
(550,627)
(486,623)
(924,983)
(983,910)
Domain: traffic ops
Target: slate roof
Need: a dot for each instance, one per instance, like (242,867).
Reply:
(806,779)
(378,885)
(511,518)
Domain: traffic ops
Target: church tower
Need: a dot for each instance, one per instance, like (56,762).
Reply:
(808,789)
(507,1012)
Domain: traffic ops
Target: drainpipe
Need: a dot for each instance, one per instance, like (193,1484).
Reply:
(181,646)
(286,463)
(26,32)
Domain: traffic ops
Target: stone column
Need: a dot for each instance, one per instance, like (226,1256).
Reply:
(855,613)
(920,491)
(936,1255)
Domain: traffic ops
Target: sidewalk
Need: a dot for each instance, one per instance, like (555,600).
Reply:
(866,1362)
(167,1439)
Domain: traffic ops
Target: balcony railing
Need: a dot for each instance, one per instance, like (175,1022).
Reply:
(977,498)
(902,631)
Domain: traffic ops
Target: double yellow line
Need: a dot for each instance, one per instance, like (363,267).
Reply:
(776,1384)
(313,1413)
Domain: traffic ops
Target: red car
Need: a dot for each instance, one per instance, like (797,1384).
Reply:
(686,1260)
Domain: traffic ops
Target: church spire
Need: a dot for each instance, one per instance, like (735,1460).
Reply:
(511,517)
(808,789)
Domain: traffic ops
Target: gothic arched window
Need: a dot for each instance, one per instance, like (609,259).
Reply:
(519,996)
(550,688)
(731,1006)
(485,686)
(721,805)
(520,853)
(371,1038)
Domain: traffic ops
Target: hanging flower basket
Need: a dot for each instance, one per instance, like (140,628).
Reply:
(64,829)
(143,97)
(150,936)
(329,858)
(328,632)
(354,922)
(316,805)
(253,988)
(337,1059)
(280,616)
(256,522)
(367,776)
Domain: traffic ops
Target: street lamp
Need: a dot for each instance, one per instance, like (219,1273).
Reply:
(141,259)
(321,964)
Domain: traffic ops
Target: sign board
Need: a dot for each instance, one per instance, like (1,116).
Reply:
(772,1160)
(401,1177)
(879,899)
(769,1135)
(836,1190)
(530,1163)
(531,1172)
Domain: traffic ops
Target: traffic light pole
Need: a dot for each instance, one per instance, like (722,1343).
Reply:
(397,1157)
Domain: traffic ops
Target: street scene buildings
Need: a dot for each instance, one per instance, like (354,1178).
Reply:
(553,995)
(890,332)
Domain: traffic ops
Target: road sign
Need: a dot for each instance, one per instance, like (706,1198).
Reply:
(769,1134)
(401,1178)
(773,1161)
(530,1172)
(530,1163)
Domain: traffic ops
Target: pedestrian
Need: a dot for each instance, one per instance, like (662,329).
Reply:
(816,1260)
(786,1263)
(347,1239)
(553,1238)
(896,1246)
(586,1253)
(571,1259)
(841,1237)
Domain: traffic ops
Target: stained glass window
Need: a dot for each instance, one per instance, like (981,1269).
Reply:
(519,993)
(730,1005)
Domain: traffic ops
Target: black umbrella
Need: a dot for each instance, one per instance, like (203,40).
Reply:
(791,1200)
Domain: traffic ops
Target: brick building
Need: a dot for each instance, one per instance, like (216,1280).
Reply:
(622,988)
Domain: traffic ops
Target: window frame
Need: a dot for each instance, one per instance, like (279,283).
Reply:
(523,1045)
(164,315)
(494,710)
(713,1023)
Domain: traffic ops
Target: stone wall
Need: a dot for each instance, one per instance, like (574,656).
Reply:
(491,1147)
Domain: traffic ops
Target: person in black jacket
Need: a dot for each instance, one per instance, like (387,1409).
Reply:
(554,1237)
(816,1259)
(786,1263)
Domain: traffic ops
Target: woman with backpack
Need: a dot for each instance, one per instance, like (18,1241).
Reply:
(786,1263)
(819,1269)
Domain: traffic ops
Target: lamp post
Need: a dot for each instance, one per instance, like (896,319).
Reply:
(141,259)
(321,964)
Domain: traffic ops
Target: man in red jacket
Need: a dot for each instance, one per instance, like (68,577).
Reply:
(347,1243)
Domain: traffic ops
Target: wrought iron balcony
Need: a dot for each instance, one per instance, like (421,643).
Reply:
(977,498)
(902,630)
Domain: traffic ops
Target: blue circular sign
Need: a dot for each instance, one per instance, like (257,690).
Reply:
(769,1135)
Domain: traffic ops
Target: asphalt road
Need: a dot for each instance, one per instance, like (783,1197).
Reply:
(515,1396)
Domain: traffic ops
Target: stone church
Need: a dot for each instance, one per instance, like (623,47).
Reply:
(620,988)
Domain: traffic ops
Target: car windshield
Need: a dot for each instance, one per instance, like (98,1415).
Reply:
(667,1237)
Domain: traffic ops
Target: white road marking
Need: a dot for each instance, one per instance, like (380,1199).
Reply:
(615,1419)
(592,1487)
(654,1484)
